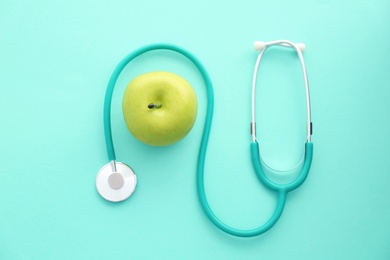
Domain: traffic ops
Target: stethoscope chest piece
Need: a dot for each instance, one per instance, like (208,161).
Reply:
(116,181)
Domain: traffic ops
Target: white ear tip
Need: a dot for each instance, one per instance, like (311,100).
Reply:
(301,46)
(259,45)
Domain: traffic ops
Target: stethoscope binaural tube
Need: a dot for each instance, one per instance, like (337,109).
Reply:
(255,154)
(299,48)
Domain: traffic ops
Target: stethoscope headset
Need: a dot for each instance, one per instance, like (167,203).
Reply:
(116,181)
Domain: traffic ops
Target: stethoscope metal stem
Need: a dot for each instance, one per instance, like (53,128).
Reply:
(113,165)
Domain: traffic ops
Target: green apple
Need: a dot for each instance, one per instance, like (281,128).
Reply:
(159,108)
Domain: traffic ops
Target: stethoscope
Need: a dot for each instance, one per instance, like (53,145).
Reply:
(116,181)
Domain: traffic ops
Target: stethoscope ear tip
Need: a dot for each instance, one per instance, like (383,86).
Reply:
(259,45)
(301,46)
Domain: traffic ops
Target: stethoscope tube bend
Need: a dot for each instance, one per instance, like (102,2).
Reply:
(255,156)
(116,174)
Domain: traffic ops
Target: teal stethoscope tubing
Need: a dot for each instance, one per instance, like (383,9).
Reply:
(127,60)
(281,190)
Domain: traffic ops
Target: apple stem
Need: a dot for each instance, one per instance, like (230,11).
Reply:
(157,105)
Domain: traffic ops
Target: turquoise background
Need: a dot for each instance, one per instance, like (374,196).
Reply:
(55,61)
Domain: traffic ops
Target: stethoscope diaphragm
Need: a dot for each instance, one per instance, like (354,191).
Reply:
(116,181)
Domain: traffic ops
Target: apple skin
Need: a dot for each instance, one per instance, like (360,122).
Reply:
(159,108)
